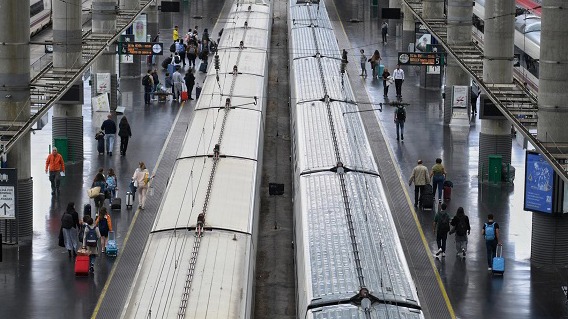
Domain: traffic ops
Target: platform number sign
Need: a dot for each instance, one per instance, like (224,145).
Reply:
(8,186)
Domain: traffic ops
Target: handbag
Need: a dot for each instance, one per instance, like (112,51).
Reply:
(94,192)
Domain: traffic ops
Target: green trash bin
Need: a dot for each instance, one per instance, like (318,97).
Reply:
(495,164)
(62,144)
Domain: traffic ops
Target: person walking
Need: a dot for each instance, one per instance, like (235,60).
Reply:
(344,56)
(141,178)
(155,82)
(462,229)
(399,119)
(181,47)
(175,35)
(492,239)
(384,31)
(375,61)
(363,60)
(112,184)
(420,178)
(441,227)
(386,75)
(91,242)
(473,101)
(189,82)
(125,134)
(191,54)
(178,81)
(99,182)
(438,175)
(398,75)
(104,224)
(148,83)
(69,225)
(109,127)
(55,166)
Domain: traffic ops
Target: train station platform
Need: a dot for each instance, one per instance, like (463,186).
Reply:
(37,276)
(526,290)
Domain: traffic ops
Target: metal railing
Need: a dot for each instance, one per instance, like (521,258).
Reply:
(438,30)
(49,85)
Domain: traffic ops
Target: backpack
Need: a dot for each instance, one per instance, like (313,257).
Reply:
(173,47)
(92,237)
(444,222)
(177,59)
(191,50)
(401,114)
(146,80)
(490,232)
(67,221)
(103,225)
(461,227)
(111,181)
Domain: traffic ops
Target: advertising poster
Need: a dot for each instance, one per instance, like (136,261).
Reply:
(100,103)
(539,184)
(103,82)
(423,42)
(459,96)
(139,28)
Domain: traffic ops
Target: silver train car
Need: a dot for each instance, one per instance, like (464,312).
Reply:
(199,261)
(527,42)
(348,256)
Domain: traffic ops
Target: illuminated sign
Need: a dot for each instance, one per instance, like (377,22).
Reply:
(142,48)
(539,184)
(420,58)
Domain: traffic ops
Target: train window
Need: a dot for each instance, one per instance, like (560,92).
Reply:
(36,8)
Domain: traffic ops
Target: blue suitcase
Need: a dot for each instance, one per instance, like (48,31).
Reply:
(171,69)
(499,261)
(111,247)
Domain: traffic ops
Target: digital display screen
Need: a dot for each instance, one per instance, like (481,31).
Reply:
(539,184)
(143,48)
(390,13)
(419,58)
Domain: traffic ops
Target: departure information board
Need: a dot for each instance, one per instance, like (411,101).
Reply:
(420,58)
(143,48)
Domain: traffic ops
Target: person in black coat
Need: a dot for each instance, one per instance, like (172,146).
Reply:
(189,82)
(125,133)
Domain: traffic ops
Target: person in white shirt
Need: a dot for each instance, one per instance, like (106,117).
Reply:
(398,76)
(363,61)
(178,81)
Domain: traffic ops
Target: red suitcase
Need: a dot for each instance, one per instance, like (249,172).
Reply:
(184,96)
(447,193)
(82,265)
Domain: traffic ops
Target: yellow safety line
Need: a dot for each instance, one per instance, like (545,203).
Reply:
(107,284)
(426,247)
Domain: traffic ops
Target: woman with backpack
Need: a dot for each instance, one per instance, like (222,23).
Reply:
(70,224)
(141,178)
(192,54)
(112,184)
(91,242)
(99,182)
(461,227)
(104,225)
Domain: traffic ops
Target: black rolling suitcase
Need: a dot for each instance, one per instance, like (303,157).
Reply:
(427,197)
(100,137)
(87,210)
(116,203)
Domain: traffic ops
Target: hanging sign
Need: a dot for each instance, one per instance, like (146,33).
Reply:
(103,82)
(8,188)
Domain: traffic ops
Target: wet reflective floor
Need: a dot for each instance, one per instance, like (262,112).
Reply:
(37,277)
(526,290)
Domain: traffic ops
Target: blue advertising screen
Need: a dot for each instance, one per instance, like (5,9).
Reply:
(539,184)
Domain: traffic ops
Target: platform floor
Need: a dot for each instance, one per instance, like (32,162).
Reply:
(526,290)
(36,277)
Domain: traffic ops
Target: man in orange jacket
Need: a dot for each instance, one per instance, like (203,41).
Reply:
(54,164)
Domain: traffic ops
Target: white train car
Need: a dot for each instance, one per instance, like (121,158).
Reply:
(349,259)
(40,15)
(199,261)
(527,42)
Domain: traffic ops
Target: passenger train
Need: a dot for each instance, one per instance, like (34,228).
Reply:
(348,256)
(199,261)
(40,15)
(527,38)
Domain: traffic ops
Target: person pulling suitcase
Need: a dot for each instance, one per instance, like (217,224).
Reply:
(490,232)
